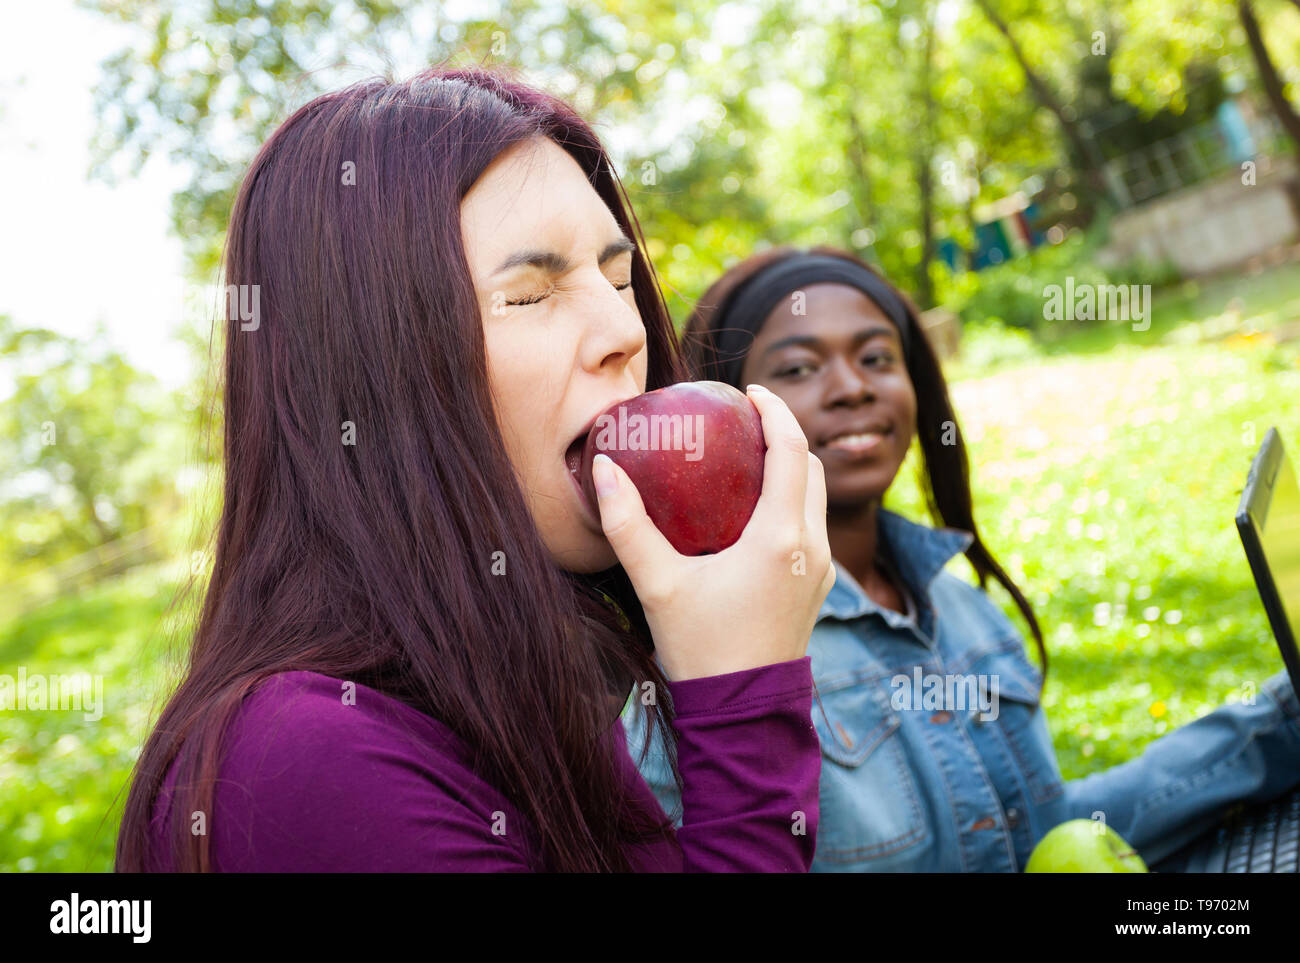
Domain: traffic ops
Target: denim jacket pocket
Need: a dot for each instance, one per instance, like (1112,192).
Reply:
(870,808)
(1009,683)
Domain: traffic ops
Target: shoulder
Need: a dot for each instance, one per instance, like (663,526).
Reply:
(308,711)
(976,632)
(956,598)
(320,774)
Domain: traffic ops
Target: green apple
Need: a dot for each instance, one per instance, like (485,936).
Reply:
(1084,846)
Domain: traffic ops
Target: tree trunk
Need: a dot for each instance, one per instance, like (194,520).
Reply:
(1085,152)
(925,171)
(858,152)
(982,161)
(1273,88)
(105,533)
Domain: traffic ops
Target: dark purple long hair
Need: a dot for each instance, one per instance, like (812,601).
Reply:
(372,561)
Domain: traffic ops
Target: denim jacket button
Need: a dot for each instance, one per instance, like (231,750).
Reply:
(1013,817)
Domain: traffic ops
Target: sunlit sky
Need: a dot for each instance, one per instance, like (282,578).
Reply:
(74,250)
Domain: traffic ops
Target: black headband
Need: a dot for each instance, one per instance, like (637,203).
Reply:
(749,307)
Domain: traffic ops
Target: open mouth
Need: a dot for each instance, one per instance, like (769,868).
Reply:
(573,454)
(573,462)
(573,458)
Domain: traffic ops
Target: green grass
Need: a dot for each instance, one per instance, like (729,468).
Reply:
(1106,476)
(1190,312)
(62,775)
(1106,481)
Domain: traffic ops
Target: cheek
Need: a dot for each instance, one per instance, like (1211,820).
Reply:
(904,401)
(502,372)
(804,401)
(640,365)
(521,378)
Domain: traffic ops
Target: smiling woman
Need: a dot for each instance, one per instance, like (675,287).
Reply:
(937,752)
(417,634)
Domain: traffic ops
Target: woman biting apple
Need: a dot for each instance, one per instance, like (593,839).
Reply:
(418,632)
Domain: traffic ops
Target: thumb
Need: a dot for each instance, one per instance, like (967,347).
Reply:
(640,546)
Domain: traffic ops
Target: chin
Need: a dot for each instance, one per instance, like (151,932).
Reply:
(859,488)
(585,554)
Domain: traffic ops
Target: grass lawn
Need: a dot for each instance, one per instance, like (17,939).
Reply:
(63,775)
(1107,468)
(1106,479)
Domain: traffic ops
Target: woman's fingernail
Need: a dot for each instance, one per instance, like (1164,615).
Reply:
(754,388)
(602,472)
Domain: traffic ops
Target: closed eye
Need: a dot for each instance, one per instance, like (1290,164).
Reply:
(531,299)
(535,298)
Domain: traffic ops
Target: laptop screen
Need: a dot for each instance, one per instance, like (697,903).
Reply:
(1280,538)
(1269,522)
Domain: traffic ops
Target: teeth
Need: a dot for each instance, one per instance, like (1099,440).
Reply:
(861,439)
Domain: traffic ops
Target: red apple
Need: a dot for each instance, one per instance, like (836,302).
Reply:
(695,453)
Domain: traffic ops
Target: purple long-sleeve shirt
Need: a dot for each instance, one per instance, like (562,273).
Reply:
(309,783)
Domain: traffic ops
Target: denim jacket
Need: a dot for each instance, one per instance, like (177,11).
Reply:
(936,756)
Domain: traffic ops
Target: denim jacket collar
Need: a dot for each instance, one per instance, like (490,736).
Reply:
(917,551)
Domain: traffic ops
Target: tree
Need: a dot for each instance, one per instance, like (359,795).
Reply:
(1154,60)
(1085,156)
(1268,75)
(93,457)
(925,159)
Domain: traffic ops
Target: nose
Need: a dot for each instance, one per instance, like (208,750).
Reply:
(613,332)
(846,384)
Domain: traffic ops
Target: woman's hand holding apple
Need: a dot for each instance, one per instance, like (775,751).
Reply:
(755,602)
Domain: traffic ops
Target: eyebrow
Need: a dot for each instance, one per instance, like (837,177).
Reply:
(807,341)
(556,263)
